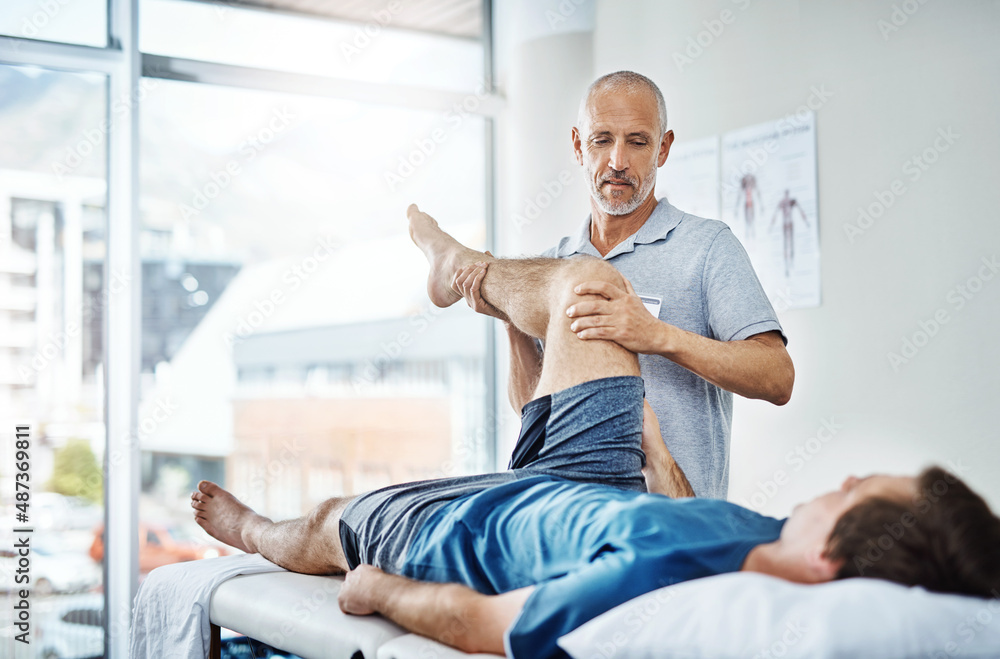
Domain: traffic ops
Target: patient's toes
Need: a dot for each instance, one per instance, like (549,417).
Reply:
(208,488)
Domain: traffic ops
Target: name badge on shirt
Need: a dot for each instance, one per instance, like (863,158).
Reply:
(652,303)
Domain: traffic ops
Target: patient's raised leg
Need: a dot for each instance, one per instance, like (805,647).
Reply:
(309,544)
(534,293)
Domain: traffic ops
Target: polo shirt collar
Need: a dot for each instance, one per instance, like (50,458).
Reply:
(661,221)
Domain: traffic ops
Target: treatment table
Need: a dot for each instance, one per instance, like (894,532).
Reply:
(298,613)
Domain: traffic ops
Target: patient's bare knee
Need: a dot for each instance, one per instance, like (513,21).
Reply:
(323,529)
(578,270)
(568,359)
(324,519)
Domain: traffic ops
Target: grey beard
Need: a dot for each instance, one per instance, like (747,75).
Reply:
(614,207)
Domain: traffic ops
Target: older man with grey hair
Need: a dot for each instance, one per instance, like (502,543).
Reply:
(691,305)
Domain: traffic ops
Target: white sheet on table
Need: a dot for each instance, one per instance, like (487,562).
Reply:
(170,617)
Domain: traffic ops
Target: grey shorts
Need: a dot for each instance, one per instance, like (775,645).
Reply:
(590,433)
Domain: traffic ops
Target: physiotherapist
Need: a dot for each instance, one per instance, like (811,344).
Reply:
(694,309)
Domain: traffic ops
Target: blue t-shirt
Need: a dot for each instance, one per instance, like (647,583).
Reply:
(587,548)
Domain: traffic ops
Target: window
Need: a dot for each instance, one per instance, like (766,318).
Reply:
(52,218)
(263,170)
(372,47)
(83,22)
(275,241)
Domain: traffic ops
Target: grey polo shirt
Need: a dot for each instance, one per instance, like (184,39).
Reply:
(706,284)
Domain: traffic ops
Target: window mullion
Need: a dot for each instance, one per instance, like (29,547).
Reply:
(123,327)
(66,57)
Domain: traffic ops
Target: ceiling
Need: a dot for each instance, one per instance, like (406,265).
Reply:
(460,18)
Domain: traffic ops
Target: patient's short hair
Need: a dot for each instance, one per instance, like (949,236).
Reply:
(946,540)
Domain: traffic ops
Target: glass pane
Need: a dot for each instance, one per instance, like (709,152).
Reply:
(83,22)
(52,252)
(231,34)
(289,349)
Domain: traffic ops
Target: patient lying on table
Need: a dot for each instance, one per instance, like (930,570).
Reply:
(511,561)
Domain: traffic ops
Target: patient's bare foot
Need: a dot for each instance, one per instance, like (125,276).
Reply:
(226,519)
(445,254)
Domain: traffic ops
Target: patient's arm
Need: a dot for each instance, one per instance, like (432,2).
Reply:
(450,613)
(663,475)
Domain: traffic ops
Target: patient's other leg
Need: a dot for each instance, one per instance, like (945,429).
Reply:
(534,293)
(309,544)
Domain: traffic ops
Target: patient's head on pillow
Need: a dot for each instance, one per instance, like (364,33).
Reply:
(945,540)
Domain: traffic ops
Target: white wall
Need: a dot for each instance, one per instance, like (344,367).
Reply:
(892,91)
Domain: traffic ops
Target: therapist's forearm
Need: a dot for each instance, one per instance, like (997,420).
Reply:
(525,367)
(757,367)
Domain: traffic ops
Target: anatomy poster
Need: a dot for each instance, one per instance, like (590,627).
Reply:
(769,199)
(690,177)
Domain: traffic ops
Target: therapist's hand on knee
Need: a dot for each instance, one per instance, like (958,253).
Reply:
(615,314)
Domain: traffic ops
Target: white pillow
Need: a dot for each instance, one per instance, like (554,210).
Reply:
(748,615)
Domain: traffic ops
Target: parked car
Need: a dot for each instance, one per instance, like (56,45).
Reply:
(52,570)
(160,544)
(50,510)
(72,629)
